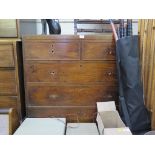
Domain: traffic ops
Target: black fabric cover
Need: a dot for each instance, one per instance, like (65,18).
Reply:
(54,26)
(132,109)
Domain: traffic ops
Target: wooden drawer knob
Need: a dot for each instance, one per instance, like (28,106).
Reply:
(109,73)
(51,73)
(109,51)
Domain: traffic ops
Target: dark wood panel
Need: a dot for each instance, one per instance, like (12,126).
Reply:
(75,72)
(6,55)
(70,95)
(97,50)
(10,63)
(72,114)
(52,51)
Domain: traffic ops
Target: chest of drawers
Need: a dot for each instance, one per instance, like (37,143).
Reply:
(10,58)
(66,75)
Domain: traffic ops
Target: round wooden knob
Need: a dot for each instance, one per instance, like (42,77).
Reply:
(109,73)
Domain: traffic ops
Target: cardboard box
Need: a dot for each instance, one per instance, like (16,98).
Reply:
(108,120)
(42,126)
(82,129)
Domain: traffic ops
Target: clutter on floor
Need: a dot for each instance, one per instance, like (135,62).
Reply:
(108,123)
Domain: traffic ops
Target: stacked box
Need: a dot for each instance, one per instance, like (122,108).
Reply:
(108,120)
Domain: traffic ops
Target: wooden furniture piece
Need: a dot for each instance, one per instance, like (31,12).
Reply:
(65,75)
(10,79)
(93,26)
(147,59)
(9,28)
(8,121)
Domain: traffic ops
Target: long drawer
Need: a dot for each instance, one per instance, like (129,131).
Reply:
(75,72)
(97,50)
(73,114)
(52,50)
(6,55)
(70,95)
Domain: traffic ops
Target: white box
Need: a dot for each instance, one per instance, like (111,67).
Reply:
(106,106)
(109,121)
(82,129)
(42,126)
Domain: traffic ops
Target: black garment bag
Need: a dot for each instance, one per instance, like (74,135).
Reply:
(131,101)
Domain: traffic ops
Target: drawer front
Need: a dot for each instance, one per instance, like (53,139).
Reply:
(7,76)
(98,50)
(52,51)
(6,56)
(72,114)
(70,95)
(8,102)
(8,89)
(82,73)
(7,82)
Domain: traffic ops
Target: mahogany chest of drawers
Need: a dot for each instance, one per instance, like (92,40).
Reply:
(10,68)
(65,75)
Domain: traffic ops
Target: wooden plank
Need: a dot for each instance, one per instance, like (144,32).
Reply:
(147,59)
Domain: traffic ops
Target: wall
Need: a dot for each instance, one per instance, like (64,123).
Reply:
(33,26)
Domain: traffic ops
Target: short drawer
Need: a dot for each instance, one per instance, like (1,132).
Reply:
(52,50)
(7,76)
(75,72)
(72,114)
(8,89)
(70,95)
(98,50)
(8,102)
(6,55)
(8,82)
